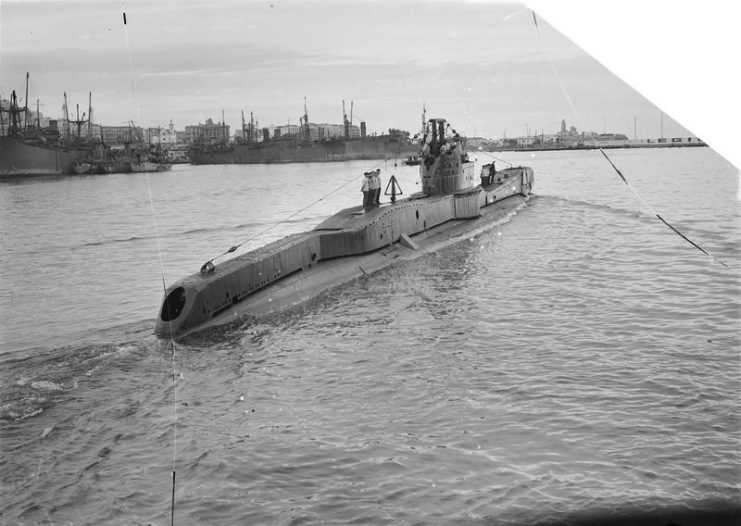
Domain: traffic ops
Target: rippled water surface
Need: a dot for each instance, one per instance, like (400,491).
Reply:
(580,360)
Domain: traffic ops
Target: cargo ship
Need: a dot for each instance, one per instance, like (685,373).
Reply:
(31,150)
(453,205)
(293,150)
(20,156)
(310,143)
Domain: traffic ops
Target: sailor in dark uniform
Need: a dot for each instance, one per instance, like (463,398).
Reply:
(367,191)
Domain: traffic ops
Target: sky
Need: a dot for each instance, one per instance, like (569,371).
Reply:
(484,66)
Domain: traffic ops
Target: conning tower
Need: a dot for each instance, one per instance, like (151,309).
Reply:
(445,168)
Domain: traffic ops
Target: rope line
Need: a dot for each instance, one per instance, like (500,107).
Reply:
(162,266)
(617,170)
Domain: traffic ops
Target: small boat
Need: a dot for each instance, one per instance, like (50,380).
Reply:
(107,167)
(412,160)
(101,160)
(147,162)
(354,242)
(149,166)
(82,167)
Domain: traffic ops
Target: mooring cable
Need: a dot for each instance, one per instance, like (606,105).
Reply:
(620,174)
(162,267)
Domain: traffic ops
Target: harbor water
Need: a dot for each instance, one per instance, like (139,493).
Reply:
(580,360)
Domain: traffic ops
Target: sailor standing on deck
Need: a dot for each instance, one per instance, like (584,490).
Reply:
(367,192)
(376,186)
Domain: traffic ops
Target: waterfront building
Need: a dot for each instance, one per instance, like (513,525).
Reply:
(286,130)
(332,131)
(312,131)
(210,132)
(527,141)
(119,135)
(162,136)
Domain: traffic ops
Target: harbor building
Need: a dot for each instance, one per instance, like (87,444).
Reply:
(210,133)
(118,135)
(163,136)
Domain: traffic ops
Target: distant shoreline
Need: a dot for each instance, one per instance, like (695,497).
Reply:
(543,148)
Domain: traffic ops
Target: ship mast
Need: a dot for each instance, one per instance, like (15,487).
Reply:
(78,122)
(90,115)
(66,116)
(345,122)
(351,104)
(306,121)
(25,109)
(13,111)
(13,116)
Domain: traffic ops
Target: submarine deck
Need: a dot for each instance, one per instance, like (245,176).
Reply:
(355,218)
(349,218)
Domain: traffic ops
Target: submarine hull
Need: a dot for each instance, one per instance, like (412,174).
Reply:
(347,245)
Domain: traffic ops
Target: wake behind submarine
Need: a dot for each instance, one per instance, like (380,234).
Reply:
(353,242)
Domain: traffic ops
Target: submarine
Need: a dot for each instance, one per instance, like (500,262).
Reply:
(452,205)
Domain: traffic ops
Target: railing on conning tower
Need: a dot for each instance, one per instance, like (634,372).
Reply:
(445,168)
